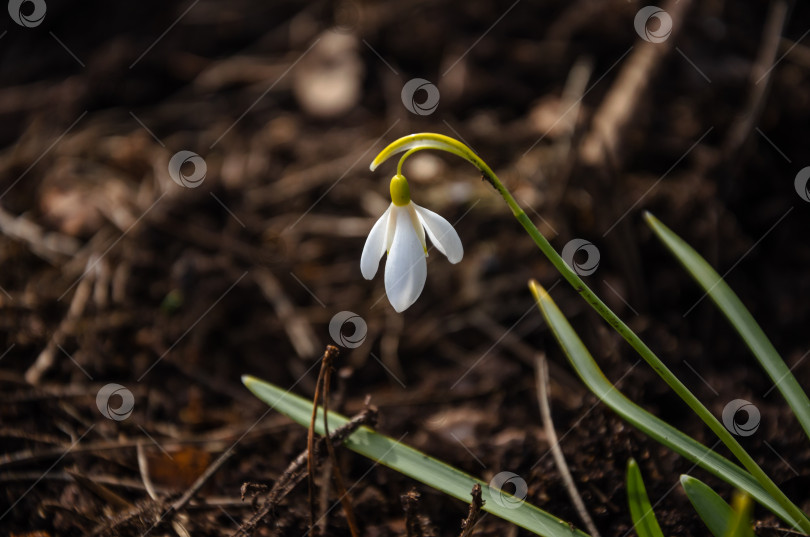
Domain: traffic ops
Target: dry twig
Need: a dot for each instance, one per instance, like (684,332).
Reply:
(345,498)
(143,467)
(295,472)
(298,329)
(556,451)
(602,145)
(45,360)
(51,246)
(322,392)
(760,79)
(476,504)
(311,439)
(416,525)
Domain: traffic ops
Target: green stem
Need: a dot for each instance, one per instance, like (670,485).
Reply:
(402,160)
(417,142)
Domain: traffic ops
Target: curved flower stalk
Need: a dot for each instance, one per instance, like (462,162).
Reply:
(401,232)
(417,142)
(428,140)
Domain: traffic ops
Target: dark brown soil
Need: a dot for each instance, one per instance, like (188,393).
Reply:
(112,273)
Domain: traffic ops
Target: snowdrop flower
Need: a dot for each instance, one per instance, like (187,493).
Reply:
(401,232)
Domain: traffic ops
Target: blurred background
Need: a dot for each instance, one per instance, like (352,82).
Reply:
(172,277)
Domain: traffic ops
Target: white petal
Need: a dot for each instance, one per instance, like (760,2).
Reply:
(417,224)
(392,224)
(406,268)
(441,234)
(376,245)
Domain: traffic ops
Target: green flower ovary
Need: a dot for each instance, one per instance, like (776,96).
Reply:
(400,192)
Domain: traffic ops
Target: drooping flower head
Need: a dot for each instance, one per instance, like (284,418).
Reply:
(400,231)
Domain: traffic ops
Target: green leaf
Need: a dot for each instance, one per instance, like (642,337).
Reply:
(415,464)
(741,519)
(740,318)
(712,509)
(640,509)
(652,426)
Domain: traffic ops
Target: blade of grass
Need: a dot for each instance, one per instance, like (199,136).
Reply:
(712,509)
(741,519)
(740,318)
(640,509)
(588,370)
(414,463)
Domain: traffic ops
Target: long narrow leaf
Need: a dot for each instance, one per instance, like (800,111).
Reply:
(415,464)
(740,525)
(640,509)
(588,370)
(712,509)
(738,315)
